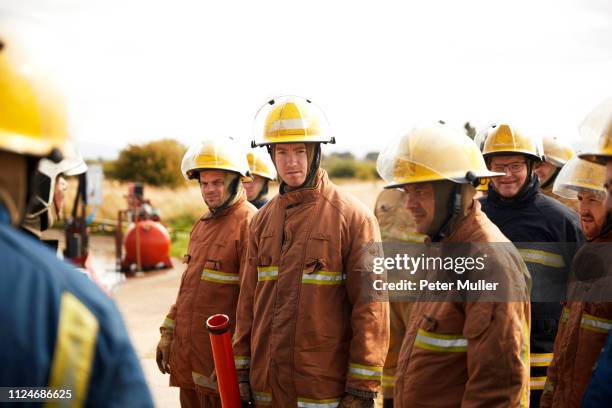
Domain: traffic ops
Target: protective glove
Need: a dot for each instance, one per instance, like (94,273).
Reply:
(245,391)
(352,401)
(163,353)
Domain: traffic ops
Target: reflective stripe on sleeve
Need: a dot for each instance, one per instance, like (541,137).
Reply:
(220,277)
(388,381)
(74,349)
(541,359)
(242,362)
(440,342)
(596,324)
(266,273)
(313,403)
(262,398)
(168,323)
(537,383)
(324,278)
(364,372)
(542,257)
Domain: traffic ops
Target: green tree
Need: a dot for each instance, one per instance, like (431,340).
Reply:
(157,163)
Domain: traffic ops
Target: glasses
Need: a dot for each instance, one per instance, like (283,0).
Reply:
(515,167)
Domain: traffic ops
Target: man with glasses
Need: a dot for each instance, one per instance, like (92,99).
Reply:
(545,231)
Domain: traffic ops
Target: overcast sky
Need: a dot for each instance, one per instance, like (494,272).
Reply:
(143,70)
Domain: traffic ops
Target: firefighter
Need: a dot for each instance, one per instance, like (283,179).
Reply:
(546,232)
(396,225)
(58,329)
(458,353)
(556,153)
(307,335)
(262,172)
(211,281)
(596,131)
(584,324)
(51,185)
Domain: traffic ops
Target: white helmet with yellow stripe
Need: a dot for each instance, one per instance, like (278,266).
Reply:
(291,119)
(215,154)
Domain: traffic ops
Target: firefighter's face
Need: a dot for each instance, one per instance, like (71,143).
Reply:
(515,173)
(212,186)
(544,171)
(254,187)
(421,203)
(60,192)
(291,162)
(608,185)
(592,210)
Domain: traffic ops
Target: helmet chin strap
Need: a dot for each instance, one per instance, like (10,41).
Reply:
(552,178)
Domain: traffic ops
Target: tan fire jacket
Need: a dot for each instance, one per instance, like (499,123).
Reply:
(210,285)
(582,333)
(396,224)
(471,353)
(305,333)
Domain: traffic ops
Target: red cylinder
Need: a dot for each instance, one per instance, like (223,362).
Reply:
(223,355)
(149,240)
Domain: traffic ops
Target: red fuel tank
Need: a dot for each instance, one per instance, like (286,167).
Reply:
(148,240)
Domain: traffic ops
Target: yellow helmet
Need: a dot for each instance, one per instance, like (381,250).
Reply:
(261,164)
(291,119)
(433,153)
(503,139)
(215,154)
(32,114)
(596,134)
(556,151)
(579,174)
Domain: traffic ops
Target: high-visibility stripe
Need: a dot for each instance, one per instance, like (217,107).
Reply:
(525,350)
(168,323)
(203,381)
(262,398)
(220,277)
(565,314)
(74,349)
(596,324)
(388,381)
(541,359)
(542,257)
(413,237)
(265,273)
(537,383)
(242,362)
(289,124)
(324,278)
(313,403)
(364,372)
(440,342)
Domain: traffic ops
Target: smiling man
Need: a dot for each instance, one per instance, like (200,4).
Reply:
(545,231)
(211,282)
(307,335)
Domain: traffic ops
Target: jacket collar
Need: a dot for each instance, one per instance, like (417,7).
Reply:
(470,228)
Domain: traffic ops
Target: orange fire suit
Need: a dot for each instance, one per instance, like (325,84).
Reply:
(469,354)
(209,285)
(396,224)
(305,332)
(582,333)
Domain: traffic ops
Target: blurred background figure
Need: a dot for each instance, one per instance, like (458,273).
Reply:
(556,154)
(262,172)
